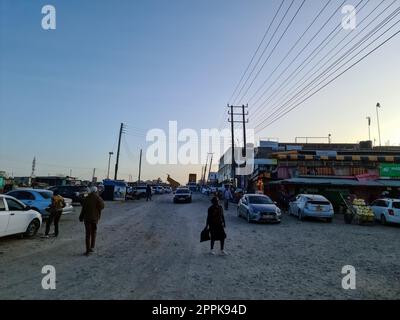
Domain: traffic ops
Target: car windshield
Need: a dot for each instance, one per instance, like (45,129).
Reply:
(46,194)
(182,191)
(260,200)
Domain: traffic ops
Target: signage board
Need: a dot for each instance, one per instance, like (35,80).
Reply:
(389,170)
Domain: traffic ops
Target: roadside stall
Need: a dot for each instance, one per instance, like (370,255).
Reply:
(358,211)
(114,190)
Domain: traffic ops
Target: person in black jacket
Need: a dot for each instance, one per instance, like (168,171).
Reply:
(216,225)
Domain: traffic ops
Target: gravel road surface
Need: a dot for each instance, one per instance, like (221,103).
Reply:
(151,250)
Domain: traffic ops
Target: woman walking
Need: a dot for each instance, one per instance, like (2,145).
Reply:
(216,225)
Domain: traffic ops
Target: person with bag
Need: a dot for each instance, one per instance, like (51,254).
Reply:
(90,215)
(216,224)
(56,207)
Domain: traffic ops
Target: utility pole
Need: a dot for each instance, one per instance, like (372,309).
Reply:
(94,174)
(243,122)
(378,105)
(209,168)
(109,161)
(33,170)
(369,128)
(119,146)
(140,166)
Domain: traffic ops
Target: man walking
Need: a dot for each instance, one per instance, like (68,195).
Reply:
(148,193)
(55,209)
(90,215)
(227,197)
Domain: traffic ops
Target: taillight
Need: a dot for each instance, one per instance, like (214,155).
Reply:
(391,212)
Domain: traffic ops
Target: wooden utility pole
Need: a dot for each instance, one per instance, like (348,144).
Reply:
(140,166)
(119,146)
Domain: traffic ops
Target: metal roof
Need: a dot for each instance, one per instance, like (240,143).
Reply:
(340,182)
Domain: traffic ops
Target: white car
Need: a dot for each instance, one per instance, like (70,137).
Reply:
(386,210)
(16,218)
(311,205)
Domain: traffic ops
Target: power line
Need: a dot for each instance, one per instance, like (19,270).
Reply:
(358,44)
(332,80)
(272,51)
(258,48)
(290,50)
(284,82)
(265,49)
(368,36)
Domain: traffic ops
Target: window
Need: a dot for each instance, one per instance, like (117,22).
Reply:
(46,194)
(396,205)
(25,195)
(380,203)
(14,205)
(260,200)
(2,205)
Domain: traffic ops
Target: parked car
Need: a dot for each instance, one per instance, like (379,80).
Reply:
(139,192)
(260,208)
(17,218)
(308,205)
(167,189)
(182,195)
(205,190)
(76,193)
(159,189)
(386,210)
(39,200)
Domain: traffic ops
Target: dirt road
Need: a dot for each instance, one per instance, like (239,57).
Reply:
(151,250)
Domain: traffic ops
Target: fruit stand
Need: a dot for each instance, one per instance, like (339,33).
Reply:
(359,212)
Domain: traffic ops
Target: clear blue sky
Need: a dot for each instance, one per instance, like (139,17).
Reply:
(63,93)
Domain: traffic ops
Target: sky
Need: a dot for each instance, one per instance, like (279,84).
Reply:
(64,92)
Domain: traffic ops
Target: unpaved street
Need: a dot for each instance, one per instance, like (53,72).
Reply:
(151,250)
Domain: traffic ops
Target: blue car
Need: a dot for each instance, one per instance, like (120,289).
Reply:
(37,199)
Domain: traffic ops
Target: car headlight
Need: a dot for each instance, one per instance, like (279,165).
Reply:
(278,211)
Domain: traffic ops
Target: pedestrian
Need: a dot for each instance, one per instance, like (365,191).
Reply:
(55,209)
(148,193)
(227,197)
(90,215)
(216,225)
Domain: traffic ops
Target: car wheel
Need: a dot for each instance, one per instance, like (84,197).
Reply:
(383,220)
(300,216)
(33,228)
(329,220)
(248,217)
(238,213)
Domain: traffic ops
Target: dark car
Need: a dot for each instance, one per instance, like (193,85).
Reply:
(76,193)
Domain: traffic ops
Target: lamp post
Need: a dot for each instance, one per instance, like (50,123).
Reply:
(109,160)
(369,128)
(378,106)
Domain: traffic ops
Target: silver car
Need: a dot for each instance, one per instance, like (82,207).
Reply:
(258,207)
(311,205)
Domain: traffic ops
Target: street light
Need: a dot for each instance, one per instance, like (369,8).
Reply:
(109,160)
(369,128)
(378,106)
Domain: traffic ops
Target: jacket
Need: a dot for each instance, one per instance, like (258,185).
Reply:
(91,208)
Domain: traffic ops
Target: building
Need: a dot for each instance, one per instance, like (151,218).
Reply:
(334,170)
